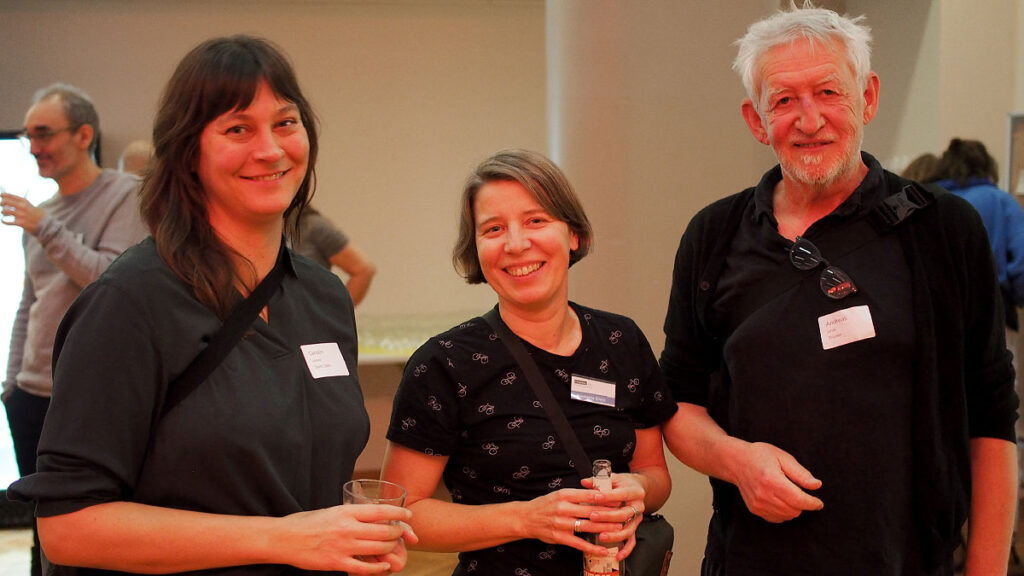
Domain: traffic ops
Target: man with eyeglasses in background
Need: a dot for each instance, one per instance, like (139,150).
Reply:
(835,342)
(68,240)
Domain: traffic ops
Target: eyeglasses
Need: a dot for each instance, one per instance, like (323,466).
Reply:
(835,283)
(43,137)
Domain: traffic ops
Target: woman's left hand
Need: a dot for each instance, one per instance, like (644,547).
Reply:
(627,497)
(400,554)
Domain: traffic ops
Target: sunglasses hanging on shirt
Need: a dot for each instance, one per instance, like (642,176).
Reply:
(835,283)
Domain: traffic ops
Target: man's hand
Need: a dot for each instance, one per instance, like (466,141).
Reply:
(17,211)
(772,483)
(770,480)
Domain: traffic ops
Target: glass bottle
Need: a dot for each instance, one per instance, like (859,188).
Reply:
(602,565)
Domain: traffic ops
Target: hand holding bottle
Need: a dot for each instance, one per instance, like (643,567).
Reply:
(621,501)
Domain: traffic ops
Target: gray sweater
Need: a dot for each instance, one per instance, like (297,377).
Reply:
(74,243)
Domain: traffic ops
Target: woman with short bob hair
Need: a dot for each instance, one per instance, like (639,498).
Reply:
(464,411)
(243,473)
(544,181)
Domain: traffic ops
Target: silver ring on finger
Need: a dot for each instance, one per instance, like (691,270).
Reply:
(635,514)
(576,525)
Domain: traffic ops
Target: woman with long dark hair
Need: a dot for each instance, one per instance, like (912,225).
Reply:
(243,473)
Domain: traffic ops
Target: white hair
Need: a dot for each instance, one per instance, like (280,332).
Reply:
(818,25)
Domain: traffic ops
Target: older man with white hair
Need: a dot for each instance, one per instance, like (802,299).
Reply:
(835,342)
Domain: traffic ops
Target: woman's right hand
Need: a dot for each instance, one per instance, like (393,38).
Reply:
(354,538)
(555,517)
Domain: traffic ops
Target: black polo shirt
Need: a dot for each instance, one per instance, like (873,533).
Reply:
(844,413)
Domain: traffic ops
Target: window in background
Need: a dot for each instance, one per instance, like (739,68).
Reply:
(18,175)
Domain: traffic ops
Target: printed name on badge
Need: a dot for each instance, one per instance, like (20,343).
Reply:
(846,326)
(592,390)
(324,360)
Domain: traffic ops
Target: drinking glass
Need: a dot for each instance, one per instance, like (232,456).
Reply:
(373,492)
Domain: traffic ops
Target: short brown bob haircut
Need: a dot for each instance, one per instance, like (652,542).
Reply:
(545,182)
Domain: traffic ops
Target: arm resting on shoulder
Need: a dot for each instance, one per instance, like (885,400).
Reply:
(993,502)
(770,480)
(358,267)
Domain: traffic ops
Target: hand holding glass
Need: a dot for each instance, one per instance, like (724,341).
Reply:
(373,492)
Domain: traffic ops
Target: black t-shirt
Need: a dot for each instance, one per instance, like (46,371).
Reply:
(463,396)
(260,437)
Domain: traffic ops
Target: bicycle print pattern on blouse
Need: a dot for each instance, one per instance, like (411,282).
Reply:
(464,396)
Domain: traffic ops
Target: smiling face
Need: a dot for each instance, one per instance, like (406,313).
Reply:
(252,161)
(523,250)
(812,111)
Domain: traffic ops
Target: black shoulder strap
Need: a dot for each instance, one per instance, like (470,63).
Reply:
(225,339)
(580,460)
(887,215)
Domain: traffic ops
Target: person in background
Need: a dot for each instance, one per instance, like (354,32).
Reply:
(922,168)
(135,157)
(464,410)
(835,341)
(969,171)
(69,240)
(244,474)
(322,242)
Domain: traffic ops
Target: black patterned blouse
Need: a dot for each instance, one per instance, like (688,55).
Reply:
(463,396)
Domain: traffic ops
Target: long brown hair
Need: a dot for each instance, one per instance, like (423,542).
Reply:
(217,76)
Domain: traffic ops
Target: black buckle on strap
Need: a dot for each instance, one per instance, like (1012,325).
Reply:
(900,206)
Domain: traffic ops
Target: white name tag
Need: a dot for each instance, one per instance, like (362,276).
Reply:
(592,390)
(846,326)
(324,360)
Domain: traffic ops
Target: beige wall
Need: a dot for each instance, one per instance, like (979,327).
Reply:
(410,94)
(949,68)
(968,68)
(646,122)
(635,100)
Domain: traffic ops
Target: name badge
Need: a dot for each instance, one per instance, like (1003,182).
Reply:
(324,360)
(592,390)
(846,326)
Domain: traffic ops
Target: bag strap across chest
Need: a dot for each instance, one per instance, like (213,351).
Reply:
(580,460)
